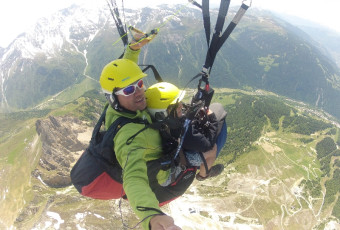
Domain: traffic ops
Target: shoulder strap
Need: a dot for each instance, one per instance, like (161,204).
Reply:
(114,128)
(102,144)
(96,129)
(120,122)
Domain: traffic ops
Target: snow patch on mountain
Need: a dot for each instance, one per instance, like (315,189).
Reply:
(70,31)
(66,30)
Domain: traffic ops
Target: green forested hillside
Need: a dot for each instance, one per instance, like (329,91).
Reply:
(249,116)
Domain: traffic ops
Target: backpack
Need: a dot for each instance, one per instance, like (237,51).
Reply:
(97,173)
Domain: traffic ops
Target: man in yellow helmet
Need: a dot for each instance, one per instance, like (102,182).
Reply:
(122,83)
(203,135)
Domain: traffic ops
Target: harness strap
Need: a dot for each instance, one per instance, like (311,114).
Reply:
(129,141)
(98,126)
(154,70)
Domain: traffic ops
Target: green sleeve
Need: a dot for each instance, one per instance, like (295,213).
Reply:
(136,183)
(131,54)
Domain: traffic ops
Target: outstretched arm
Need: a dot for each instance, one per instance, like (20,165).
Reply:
(132,52)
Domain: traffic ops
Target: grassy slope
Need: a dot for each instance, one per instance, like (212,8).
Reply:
(68,95)
(18,158)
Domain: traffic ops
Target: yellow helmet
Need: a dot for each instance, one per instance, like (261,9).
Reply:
(160,95)
(119,74)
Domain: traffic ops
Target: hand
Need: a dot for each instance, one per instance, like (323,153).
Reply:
(209,112)
(136,44)
(163,222)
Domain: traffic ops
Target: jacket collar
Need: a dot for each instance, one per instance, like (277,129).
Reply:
(139,114)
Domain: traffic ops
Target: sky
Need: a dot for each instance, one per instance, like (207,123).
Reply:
(17,16)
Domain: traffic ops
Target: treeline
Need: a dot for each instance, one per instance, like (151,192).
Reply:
(246,119)
(326,149)
(336,209)
(336,163)
(271,108)
(248,115)
(306,140)
(332,188)
(312,187)
(303,125)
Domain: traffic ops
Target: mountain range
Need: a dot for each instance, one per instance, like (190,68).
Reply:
(62,56)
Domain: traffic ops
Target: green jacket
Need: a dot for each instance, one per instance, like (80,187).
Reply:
(146,146)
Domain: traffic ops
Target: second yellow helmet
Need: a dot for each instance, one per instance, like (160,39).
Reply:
(160,95)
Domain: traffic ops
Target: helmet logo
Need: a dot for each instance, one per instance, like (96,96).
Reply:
(127,78)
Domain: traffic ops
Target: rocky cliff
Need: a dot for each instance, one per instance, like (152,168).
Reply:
(61,147)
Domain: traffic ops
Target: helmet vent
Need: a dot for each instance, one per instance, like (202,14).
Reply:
(111,79)
(115,64)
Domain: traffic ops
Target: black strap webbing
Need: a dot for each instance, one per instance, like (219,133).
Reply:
(206,20)
(119,122)
(213,49)
(232,25)
(195,3)
(97,127)
(218,38)
(154,70)
(115,14)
